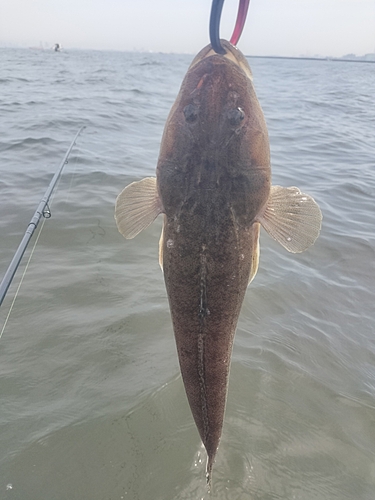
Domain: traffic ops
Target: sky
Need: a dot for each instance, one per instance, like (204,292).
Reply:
(274,27)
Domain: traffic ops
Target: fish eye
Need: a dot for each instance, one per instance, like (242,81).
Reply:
(191,113)
(235,116)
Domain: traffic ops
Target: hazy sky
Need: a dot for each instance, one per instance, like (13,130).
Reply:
(274,27)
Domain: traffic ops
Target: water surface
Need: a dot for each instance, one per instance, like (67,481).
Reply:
(92,404)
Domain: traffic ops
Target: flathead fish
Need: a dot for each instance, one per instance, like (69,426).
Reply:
(213,185)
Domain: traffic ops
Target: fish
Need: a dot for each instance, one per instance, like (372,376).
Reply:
(213,187)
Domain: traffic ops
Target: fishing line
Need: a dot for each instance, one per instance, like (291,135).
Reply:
(23,276)
(217,7)
(75,161)
(46,215)
(240,21)
(43,209)
(214,26)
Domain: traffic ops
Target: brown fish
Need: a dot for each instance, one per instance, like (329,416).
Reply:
(213,185)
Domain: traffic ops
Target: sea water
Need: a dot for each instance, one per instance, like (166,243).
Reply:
(92,403)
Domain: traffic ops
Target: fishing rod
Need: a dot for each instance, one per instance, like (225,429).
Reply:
(33,224)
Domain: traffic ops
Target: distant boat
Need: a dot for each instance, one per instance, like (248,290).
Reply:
(57,47)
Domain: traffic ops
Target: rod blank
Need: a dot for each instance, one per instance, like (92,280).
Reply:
(33,224)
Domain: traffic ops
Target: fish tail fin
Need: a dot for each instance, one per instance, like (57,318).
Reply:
(209,465)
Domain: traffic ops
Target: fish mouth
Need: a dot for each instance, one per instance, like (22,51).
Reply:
(231,53)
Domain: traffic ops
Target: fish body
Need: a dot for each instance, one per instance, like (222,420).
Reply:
(213,185)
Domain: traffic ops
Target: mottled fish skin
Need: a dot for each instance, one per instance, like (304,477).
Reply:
(214,179)
(213,185)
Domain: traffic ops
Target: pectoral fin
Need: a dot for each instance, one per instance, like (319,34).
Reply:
(137,206)
(292,218)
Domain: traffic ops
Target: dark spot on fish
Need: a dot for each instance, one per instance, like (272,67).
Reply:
(191,113)
(235,116)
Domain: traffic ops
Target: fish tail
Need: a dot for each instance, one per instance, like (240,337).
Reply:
(210,463)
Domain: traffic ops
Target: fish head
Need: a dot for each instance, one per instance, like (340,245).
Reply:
(216,105)
(215,130)
(214,101)
(232,53)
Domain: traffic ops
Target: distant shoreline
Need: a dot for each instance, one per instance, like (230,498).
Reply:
(300,58)
(336,59)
